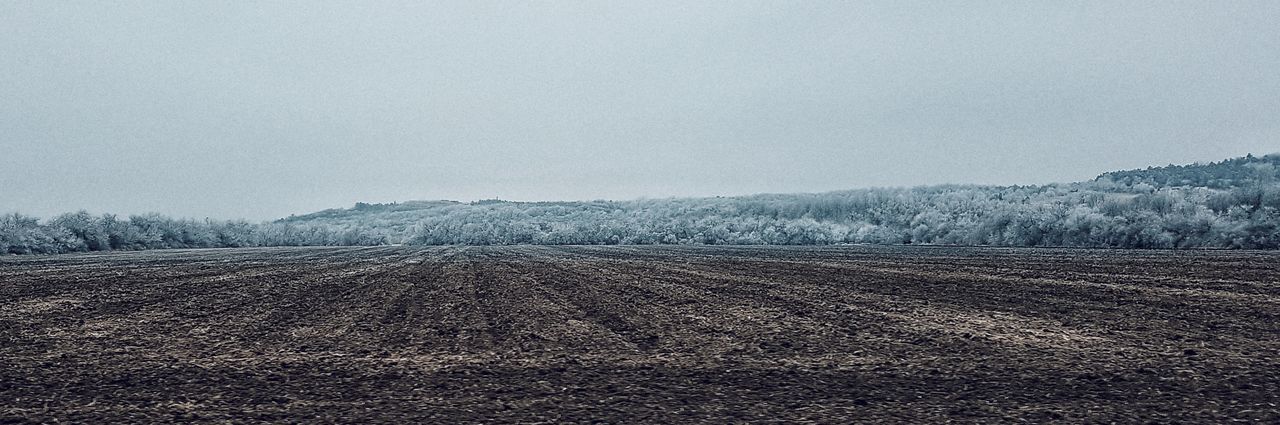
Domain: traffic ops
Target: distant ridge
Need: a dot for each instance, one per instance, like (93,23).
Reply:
(1237,172)
(362,208)
(1229,204)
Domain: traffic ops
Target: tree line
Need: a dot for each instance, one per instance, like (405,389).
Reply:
(81,231)
(1229,204)
(1076,215)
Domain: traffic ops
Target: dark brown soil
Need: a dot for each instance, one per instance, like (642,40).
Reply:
(641,334)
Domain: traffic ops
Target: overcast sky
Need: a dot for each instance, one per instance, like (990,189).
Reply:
(261,109)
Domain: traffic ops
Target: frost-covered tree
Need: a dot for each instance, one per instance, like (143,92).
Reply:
(1231,204)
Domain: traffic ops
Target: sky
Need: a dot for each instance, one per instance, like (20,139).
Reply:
(259,110)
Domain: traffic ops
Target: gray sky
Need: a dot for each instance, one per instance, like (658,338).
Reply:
(262,109)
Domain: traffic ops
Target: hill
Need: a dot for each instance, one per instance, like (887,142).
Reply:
(1229,204)
(1228,174)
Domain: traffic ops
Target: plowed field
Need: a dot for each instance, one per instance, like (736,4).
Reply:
(640,334)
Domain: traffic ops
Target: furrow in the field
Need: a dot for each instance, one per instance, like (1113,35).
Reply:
(1022,274)
(1187,310)
(882,302)
(429,307)
(325,310)
(75,304)
(915,315)
(1174,274)
(742,315)
(802,308)
(1252,272)
(968,338)
(43,283)
(524,311)
(902,336)
(279,312)
(611,314)
(978,306)
(176,270)
(209,313)
(1050,298)
(688,316)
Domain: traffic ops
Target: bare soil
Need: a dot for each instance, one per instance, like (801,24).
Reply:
(641,334)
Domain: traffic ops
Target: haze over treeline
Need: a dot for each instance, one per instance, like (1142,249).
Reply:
(1229,204)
